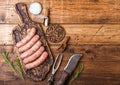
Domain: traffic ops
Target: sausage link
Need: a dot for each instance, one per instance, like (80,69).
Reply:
(33,57)
(27,38)
(32,50)
(29,44)
(37,62)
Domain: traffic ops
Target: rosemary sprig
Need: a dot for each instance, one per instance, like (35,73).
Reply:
(20,70)
(11,65)
(81,68)
(8,61)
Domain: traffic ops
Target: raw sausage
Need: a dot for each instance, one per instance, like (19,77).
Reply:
(29,44)
(27,38)
(37,62)
(32,50)
(33,57)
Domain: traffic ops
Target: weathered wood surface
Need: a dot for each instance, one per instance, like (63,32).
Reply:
(101,65)
(96,33)
(94,28)
(69,11)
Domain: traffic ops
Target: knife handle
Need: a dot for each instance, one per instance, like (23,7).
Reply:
(50,80)
(63,78)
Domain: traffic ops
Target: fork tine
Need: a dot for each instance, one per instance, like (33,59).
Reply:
(55,61)
(59,56)
(59,62)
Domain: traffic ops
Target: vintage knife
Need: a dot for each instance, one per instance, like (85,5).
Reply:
(72,63)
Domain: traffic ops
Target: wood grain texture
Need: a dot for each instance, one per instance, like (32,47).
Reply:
(68,11)
(101,65)
(8,13)
(96,33)
(94,28)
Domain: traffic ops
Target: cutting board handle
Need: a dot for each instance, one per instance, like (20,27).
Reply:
(21,9)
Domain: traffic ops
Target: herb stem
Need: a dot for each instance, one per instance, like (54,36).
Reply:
(8,61)
(81,68)
(20,70)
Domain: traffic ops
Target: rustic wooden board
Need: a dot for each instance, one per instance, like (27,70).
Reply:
(94,28)
(68,11)
(96,33)
(101,65)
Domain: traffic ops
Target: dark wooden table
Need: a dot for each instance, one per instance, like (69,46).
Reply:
(94,28)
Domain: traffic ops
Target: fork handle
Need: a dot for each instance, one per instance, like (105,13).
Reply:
(50,80)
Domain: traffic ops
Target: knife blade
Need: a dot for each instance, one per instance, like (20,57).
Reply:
(71,65)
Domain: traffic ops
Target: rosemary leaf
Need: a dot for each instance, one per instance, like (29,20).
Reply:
(81,68)
(8,61)
(5,56)
(20,70)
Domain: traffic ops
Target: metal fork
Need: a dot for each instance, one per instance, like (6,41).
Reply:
(58,60)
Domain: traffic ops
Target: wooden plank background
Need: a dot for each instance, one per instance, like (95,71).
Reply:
(94,28)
